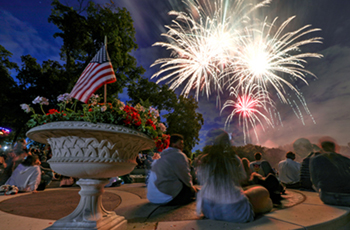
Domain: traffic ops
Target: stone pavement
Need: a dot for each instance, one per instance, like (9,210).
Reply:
(310,214)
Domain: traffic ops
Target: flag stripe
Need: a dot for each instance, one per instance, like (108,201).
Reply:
(97,73)
(103,74)
(85,80)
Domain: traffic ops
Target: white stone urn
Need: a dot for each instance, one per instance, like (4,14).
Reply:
(93,153)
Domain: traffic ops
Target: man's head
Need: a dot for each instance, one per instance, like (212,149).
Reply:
(177,141)
(290,155)
(257,156)
(302,147)
(328,146)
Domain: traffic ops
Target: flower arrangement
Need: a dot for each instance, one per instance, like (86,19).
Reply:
(140,118)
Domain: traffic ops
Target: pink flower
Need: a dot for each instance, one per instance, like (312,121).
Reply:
(25,107)
(162,127)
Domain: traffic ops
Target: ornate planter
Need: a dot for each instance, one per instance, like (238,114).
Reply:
(93,153)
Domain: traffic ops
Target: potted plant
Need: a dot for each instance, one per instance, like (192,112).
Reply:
(94,143)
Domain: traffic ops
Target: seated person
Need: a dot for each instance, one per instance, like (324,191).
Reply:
(170,180)
(27,175)
(303,147)
(3,165)
(289,171)
(270,182)
(261,166)
(330,175)
(221,197)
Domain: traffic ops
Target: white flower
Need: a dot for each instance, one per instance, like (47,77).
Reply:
(154,112)
(65,98)
(94,99)
(162,127)
(37,100)
(44,101)
(41,101)
(103,108)
(25,107)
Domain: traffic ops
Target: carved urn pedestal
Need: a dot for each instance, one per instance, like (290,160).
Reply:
(93,153)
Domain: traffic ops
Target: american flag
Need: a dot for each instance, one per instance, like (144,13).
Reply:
(99,72)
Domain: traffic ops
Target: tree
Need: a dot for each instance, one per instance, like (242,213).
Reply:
(7,86)
(8,91)
(83,35)
(186,121)
(180,112)
(159,96)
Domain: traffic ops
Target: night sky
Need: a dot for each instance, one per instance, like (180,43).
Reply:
(25,30)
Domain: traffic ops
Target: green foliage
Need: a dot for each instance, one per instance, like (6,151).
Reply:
(142,119)
(83,35)
(181,116)
(186,121)
(160,96)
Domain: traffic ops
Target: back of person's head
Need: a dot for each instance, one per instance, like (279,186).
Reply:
(19,148)
(257,156)
(30,160)
(328,146)
(174,138)
(220,163)
(290,155)
(302,147)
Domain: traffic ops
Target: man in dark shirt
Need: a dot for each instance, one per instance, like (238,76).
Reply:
(330,175)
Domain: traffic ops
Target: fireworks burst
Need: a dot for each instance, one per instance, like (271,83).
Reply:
(266,58)
(250,104)
(212,51)
(201,43)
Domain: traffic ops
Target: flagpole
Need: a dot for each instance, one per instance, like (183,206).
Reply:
(105,98)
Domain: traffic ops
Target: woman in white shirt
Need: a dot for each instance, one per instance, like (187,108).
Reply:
(221,197)
(27,175)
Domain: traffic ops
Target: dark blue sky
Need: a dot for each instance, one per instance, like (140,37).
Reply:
(25,30)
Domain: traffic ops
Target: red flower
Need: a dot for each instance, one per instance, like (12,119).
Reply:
(52,111)
(150,122)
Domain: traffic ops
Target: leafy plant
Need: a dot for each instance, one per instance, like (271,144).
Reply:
(141,118)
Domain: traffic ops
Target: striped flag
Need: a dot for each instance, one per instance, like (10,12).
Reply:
(99,72)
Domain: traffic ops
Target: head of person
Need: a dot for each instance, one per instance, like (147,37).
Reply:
(20,147)
(31,160)
(220,164)
(290,155)
(257,156)
(302,147)
(328,146)
(177,141)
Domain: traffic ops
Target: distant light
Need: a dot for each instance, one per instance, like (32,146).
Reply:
(5,147)
(4,131)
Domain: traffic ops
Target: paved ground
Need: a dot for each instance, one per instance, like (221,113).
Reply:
(311,213)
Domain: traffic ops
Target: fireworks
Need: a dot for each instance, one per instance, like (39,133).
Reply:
(250,105)
(266,58)
(201,43)
(212,51)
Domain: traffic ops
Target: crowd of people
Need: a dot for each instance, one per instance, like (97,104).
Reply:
(234,189)
(224,186)
(25,169)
